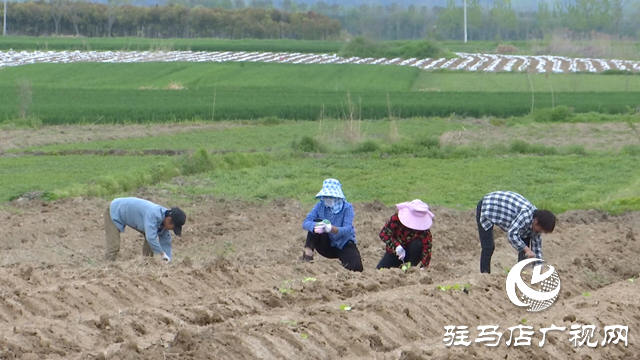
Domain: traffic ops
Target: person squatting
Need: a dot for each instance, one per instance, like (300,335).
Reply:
(406,236)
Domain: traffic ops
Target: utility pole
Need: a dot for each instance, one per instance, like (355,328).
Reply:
(4,23)
(465,21)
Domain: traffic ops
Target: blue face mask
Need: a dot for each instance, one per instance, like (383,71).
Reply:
(334,204)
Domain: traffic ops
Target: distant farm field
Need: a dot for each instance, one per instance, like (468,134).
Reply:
(159,92)
(200,76)
(144,44)
(518,82)
(615,49)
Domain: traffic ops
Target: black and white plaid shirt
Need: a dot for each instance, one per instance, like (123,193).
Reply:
(513,214)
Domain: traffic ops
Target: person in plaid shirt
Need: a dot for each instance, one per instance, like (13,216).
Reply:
(515,215)
(407,236)
(330,228)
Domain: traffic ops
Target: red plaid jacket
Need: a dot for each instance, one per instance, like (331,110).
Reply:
(394,233)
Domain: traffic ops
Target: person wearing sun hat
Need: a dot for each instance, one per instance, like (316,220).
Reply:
(330,228)
(407,236)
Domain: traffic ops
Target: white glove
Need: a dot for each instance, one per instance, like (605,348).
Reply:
(319,228)
(166,258)
(327,228)
(400,252)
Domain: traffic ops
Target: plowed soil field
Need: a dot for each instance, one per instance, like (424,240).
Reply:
(235,289)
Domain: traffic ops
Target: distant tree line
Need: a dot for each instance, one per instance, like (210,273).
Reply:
(499,21)
(69,17)
(274,19)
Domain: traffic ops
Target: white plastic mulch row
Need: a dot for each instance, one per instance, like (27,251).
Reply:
(468,62)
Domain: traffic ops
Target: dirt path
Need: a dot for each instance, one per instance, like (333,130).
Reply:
(236,290)
(594,137)
(65,134)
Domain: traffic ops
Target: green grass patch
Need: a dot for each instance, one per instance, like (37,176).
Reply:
(374,167)
(19,43)
(556,182)
(98,176)
(209,76)
(73,106)
(365,48)
(255,136)
(26,174)
(486,47)
(519,82)
(135,93)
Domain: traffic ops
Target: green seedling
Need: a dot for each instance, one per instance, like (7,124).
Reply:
(506,270)
(524,321)
(406,267)
(586,294)
(466,286)
(632,279)
(345,307)
(304,336)
(286,287)
(309,279)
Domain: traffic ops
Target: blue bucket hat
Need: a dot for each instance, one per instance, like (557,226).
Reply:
(331,188)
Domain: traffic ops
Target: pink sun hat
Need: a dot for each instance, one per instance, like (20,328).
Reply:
(415,215)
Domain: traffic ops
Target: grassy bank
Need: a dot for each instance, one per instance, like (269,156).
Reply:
(556,182)
(386,160)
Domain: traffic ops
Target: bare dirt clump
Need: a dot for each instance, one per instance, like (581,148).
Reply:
(175,85)
(235,289)
(594,137)
(506,49)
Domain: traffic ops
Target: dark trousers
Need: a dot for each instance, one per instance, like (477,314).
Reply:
(348,255)
(488,245)
(413,256)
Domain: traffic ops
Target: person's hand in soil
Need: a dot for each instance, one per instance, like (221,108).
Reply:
(161,259)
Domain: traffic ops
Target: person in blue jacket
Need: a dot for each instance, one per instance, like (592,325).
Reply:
(330,228)
(153,221)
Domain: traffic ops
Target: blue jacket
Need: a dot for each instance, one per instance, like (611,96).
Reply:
(342,220)
(144,216)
